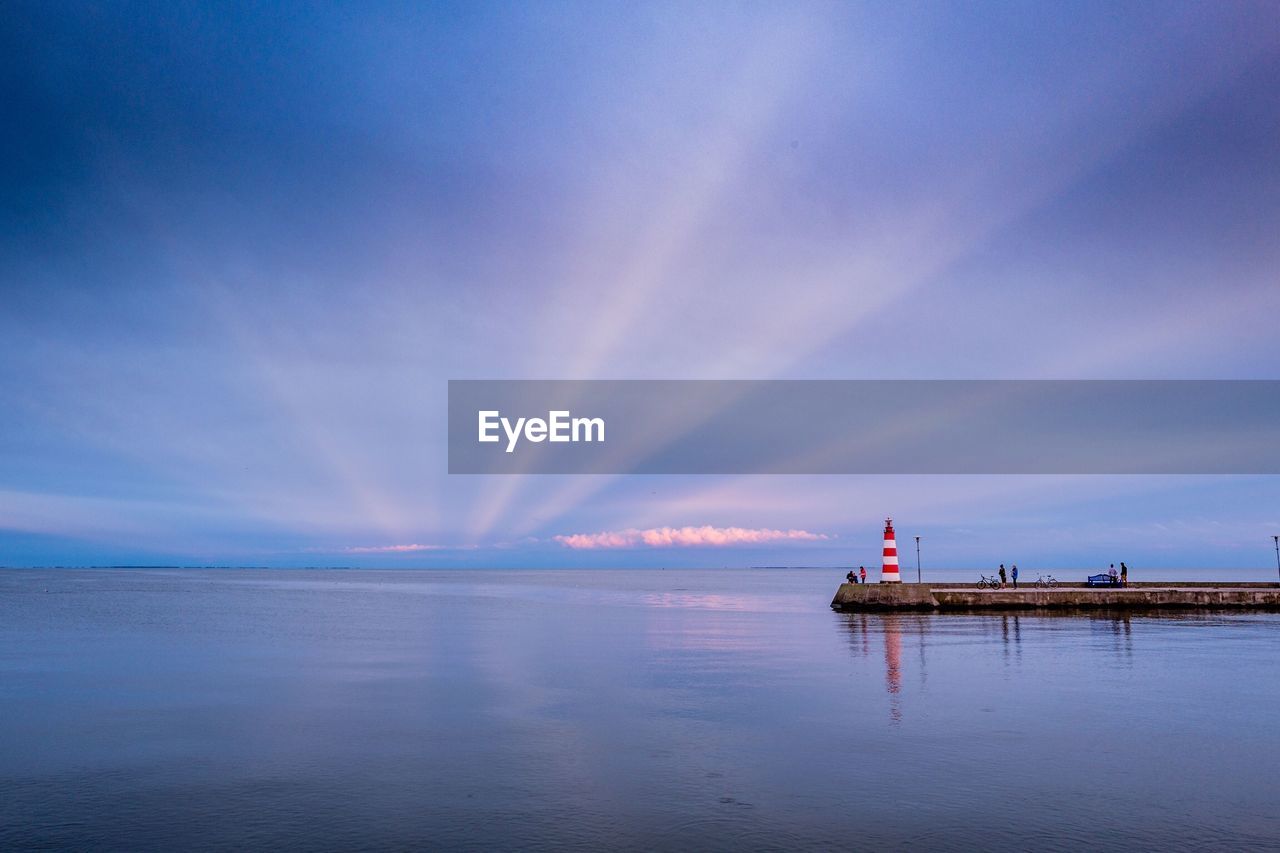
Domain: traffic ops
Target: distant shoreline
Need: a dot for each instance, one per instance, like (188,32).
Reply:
(938,576)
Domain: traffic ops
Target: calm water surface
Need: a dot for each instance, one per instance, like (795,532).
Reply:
(624,709)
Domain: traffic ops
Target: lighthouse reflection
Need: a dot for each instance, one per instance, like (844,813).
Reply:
(891,656)
(886,634)
(893,666)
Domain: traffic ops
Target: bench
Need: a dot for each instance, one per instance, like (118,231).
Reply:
(1103,580)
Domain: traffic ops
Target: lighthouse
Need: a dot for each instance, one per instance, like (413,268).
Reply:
(889,573)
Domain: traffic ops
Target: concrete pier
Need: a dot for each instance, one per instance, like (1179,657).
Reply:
(1147,595)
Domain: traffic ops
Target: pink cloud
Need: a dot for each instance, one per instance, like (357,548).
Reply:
(685,537)
(389,549)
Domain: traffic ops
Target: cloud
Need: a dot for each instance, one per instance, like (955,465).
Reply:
(389,549)
(685,537)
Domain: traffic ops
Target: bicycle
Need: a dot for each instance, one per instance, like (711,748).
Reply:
(1046,582)
(989,583)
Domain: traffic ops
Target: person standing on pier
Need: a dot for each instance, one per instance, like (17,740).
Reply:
(1003,579)
(1124,574)
(862,570)
(1015,575)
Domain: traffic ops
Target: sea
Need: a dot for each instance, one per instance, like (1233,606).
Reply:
(715,709)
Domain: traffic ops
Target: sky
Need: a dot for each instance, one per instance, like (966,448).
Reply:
(243,248)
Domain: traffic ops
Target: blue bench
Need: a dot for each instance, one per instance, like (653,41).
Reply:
(1103,580)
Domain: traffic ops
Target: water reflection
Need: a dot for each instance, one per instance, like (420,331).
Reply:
(697,601)
(1120,634)
(1011,643)
(892,629)
(638,710)
(874,637)
(893,666)
(974,644)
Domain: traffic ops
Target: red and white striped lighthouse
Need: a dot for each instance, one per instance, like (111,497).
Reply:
(889,573)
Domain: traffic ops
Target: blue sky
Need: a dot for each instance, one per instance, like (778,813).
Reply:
(243,248)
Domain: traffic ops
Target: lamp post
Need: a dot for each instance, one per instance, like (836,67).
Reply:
(1276,539)
(918,558)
